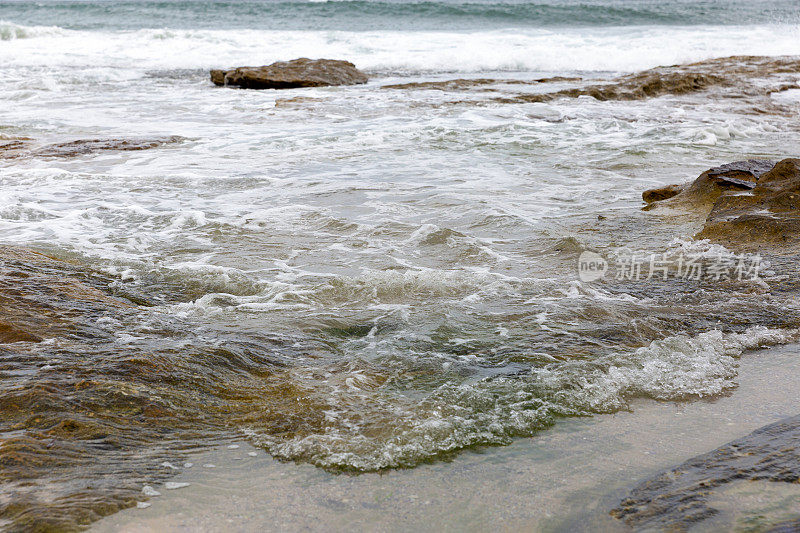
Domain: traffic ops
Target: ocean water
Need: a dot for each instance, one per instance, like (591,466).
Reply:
(362,277)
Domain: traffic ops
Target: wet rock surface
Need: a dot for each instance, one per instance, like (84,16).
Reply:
(292,74)
(462,84)
(745,173)
(747,204)
(712,183)
(98,393)
(767,214)
(787,527)
(739,76)
(661,193)
(19,148)
(735,72)
(677,499)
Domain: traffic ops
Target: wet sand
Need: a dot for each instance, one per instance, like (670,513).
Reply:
(567,478)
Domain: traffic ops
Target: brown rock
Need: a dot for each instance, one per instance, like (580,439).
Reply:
(661,193)
(735,73)
(707,188)
(680,498)
(218,77)
(297,73)
(747,204)
(41,297)
(27,148)
(768,214)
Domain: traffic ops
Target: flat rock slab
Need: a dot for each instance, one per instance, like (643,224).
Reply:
(677,499)
(743,173)
(292,74)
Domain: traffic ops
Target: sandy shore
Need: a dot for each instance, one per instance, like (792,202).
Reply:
(565,478)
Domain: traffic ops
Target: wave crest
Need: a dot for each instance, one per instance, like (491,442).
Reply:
(10,31)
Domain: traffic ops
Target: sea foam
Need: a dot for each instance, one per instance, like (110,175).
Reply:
(521,49)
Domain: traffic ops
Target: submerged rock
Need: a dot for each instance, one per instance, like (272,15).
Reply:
(734,73)
(28,148)
(462,84)
(677,499)
(297,73)
(89,146)
(746,203)
(41,297)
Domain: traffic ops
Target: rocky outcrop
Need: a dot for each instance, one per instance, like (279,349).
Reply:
(769,213)
(741,175)
(293,74)
(755,76)
(677,499)
(746,204)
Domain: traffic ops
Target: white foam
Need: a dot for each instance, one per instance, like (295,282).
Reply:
(174,485)
(789,96)
(568,49)
(147,490)
(494,411)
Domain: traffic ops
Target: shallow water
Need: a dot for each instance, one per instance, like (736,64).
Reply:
(363,278)
(565,479)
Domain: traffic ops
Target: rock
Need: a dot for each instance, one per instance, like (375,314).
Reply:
(744,173)
(746,204)
(661,193)
(301,72)
(713,182)
(26,148)
(677,499)
(10,149)
(462,84)
(41,297)
(218,76)
(767,214)
(793,526)
(735,73)
(90,146)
